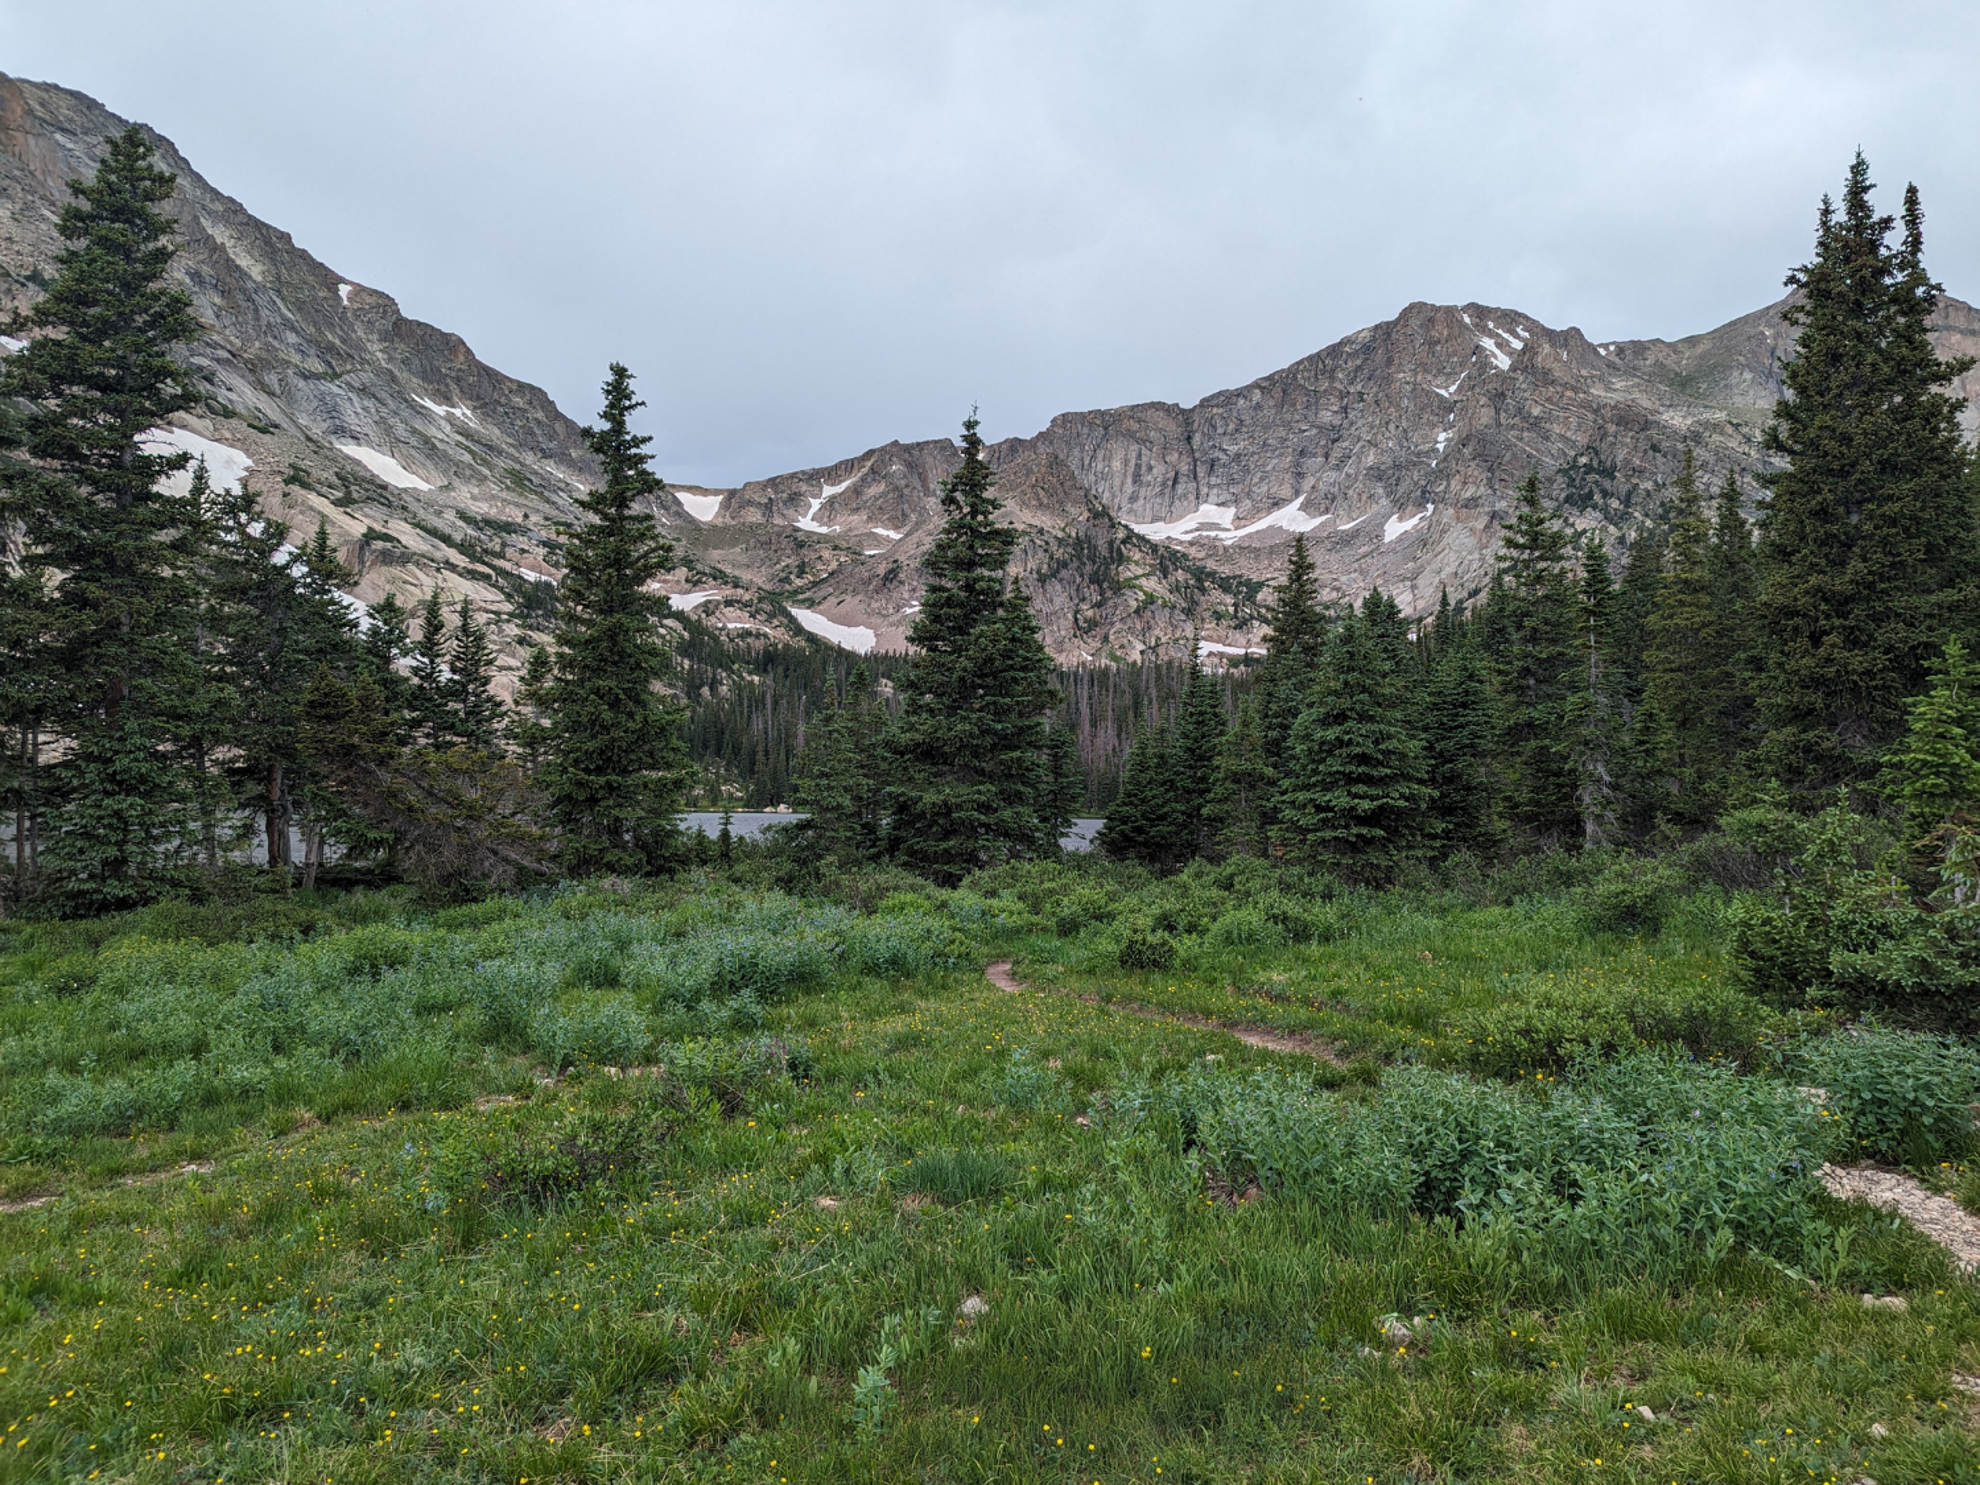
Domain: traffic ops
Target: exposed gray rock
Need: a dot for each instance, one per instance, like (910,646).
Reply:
(1396,450)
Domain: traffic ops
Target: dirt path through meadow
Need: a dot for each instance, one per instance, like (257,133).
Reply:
(999,974)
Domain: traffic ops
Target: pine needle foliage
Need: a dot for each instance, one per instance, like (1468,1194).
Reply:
(1868,550)
(971,778)
(1532,636)
(616,768)
(1356,800)
(114,548)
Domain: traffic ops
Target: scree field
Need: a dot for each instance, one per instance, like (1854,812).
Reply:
(701,1182)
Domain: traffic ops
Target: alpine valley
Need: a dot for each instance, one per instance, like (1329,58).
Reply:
(1145,528)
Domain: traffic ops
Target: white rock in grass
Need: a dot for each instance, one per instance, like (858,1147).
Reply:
(1878,1431)
(1643,1412)
(1886,1302)
(976,1305)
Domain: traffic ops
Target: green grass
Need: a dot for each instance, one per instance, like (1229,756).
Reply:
(766,1277)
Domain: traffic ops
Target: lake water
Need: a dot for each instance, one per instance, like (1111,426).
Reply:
(750,825)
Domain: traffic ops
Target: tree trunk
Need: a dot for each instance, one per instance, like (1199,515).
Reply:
(278,834)
(312,854)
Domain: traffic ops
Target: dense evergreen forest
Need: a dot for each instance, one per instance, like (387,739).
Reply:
(747,711)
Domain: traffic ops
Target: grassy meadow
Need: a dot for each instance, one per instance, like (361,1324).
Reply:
(698,1181)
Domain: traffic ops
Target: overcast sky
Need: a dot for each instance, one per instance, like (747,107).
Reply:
(810,227)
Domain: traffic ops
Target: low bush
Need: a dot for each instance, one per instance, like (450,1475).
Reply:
(1549,1026)
(723,963)
(1642,1165)
(1904,1097)
(896,945)
(1631,896)
(1247,928)
(1144,946)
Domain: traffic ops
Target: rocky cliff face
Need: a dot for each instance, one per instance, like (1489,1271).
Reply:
(1394,451)
(429,466)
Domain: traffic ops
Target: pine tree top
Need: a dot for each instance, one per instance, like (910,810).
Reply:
(104,372)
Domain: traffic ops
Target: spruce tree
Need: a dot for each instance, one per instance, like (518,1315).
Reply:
(1868,550)
(529,727)
(1534,619)
(1356,800)
(1458,729)
(1149,821)
(971,782)
(1636,596)
(837,775)
(115,551)
(1066,788)
(280,620)
(1240,788)
(1599,709)
(1731,638)
(476,711)
(429,699)
(1295,648)
(616,770)
(1685,669)
(1933,772)
(1199,733)
(387,641)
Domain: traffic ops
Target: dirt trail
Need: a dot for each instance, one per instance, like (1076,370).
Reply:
(1940,1218)
(999,974)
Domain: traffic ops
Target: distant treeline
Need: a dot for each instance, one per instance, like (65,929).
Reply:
(748,711)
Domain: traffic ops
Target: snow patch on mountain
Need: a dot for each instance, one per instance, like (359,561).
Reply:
(855,637)
(384,466)
(1183,528)
(225,467)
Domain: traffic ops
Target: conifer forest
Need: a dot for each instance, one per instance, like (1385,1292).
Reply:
(1529,1035)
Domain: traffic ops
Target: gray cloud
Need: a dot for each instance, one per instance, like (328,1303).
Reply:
(811,227)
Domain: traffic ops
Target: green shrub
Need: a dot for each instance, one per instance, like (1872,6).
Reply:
(1643,1166)
(593,966)
(1631,896)
(1248,928)
(1904,1097)
(956,1176)
(1143,946)
(544,1160)
(609,1033)
(761,963)
(1550,1026)
(1080,908)
(908,944)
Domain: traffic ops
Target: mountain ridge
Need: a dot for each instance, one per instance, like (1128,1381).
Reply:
(1144,529)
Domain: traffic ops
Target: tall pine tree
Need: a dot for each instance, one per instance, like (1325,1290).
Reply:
(113,543)
(1868,550)
(1357,798)
(971,780)
(1149,820)
(476,720)
(1199,733)
(1458,729)
(616,770)
(1686,669)
(1240,789)
(837,774)
(1295,651)
(1532,623)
